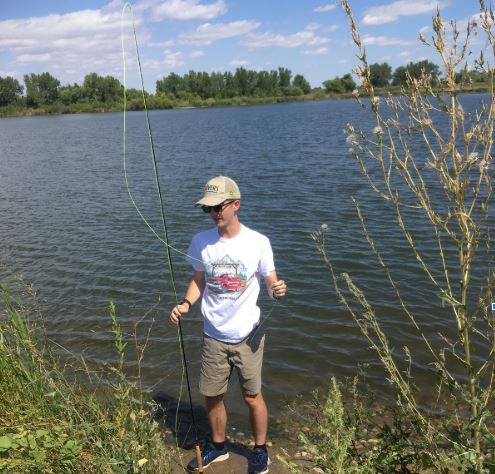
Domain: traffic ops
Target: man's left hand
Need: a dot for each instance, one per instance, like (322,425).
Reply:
(279,288)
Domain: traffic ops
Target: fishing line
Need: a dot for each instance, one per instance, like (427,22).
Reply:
(165,239)
(162,218)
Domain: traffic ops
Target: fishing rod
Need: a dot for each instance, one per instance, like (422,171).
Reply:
(166,240)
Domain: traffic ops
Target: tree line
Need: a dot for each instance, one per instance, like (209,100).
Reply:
(381,75)
(45,89)
(197,88)
(243,82)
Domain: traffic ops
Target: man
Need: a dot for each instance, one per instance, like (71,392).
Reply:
(228,261)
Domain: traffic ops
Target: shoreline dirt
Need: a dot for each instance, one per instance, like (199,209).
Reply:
(282,441)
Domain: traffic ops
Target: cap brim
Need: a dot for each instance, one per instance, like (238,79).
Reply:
(210,201)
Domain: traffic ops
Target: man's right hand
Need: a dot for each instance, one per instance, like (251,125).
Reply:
(178,311)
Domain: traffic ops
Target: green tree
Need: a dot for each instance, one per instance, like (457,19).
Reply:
(301,82)
(217,85)
(284,76)
(399,77)
(380,74)
(416,71)
(241,80)
(340,84)
(41,89)
(231,85)
(71,94)
(101,89)
(10,90)
(471,76)
(172,84)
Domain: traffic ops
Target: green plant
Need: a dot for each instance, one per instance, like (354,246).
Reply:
(346,432)
(50,417)
(449,186)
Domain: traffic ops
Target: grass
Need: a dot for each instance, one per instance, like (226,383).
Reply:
(51,419)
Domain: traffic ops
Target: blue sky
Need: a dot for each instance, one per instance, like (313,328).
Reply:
(72,38)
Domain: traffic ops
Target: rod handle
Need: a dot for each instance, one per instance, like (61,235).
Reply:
(199,459)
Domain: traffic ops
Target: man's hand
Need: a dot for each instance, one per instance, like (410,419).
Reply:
(279,288)
(178,311)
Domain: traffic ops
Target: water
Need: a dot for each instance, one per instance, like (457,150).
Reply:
(68,227)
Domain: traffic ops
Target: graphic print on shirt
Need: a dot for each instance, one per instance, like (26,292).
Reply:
(226,276)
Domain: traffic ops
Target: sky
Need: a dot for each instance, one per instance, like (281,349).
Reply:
(72,38)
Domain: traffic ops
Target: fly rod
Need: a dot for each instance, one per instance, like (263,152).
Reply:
(162,212)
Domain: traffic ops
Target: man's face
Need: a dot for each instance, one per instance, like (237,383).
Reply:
(224,214)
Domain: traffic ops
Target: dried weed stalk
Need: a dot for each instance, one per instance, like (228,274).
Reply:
(450,187)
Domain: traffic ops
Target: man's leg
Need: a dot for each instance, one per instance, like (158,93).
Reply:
(217,416)
(258,416)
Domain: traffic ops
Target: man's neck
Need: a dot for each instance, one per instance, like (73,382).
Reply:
(231,231)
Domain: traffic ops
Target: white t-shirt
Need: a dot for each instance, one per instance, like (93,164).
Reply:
(233,268)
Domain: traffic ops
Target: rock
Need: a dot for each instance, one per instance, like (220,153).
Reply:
(318,470)
(241,434)
(372,441)
(304,454)
(269,444)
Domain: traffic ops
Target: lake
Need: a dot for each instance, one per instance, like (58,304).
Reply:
(69,228)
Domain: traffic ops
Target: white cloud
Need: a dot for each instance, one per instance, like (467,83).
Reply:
(405,54)
(315,52)
(187,10)
(385,41)
(265,40)
(238,62)
(34,58)
(325,8)
(207,33)
(196,54)
(385,58)
(173,60)
(161,44)
(425,29)
(152,64)
(393,11)
(74,43)
(313,26)
(343,61)
(331,28)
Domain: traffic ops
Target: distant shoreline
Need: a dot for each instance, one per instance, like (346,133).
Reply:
(80,108)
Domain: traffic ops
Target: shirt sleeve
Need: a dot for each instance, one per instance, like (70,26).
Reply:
(194,256)
(266,265)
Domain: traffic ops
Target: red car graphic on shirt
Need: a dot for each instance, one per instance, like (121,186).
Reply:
(224,283)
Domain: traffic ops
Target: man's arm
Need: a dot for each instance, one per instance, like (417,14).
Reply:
(193,293)
(276,288)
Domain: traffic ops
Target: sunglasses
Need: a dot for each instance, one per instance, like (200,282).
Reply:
(217,208)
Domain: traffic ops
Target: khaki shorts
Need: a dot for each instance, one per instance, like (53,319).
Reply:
(219,359)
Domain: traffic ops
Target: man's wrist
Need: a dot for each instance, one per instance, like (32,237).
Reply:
(186,301)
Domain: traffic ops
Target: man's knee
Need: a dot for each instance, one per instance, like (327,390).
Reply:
(253,400)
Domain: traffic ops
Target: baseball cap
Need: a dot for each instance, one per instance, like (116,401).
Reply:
(218,190)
